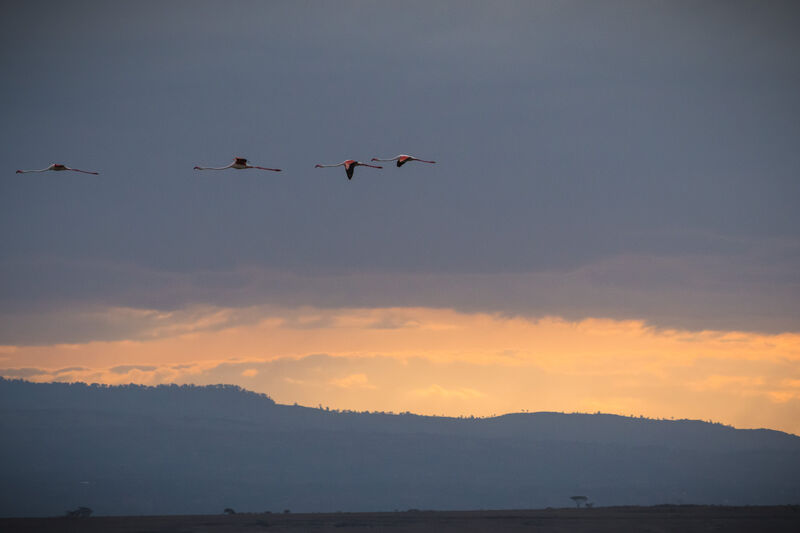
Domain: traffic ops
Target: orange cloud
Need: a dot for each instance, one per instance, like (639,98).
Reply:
(442,361)
(353,381)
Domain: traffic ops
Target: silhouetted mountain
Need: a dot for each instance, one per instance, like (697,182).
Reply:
(185,449)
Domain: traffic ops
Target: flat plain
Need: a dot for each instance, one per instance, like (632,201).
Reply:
(667,518)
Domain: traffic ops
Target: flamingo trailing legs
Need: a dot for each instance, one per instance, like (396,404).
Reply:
(402,159)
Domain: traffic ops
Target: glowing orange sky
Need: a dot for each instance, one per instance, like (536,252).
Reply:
(439,361)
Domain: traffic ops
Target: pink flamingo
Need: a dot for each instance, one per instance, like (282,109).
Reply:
(239,163)
(57,167)
(349,166)
(402,159)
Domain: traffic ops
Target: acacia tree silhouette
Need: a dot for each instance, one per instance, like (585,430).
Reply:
(578,500)
(80,512)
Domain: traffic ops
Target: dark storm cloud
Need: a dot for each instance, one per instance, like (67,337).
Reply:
(574,140)
(735,291)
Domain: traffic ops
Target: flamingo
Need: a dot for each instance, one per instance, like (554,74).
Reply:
(402,159)
(349,166)
(239,163)
(57,167)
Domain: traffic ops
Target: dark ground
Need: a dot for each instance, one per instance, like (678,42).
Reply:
(608,519)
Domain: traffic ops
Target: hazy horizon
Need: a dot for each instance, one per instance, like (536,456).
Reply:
(329,409)
(133,450)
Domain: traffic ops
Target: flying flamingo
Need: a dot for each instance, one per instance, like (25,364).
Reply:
(239,163)
(57,167)
(402,159)
(349,166)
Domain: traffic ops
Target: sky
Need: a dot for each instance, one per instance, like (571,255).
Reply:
(611,224)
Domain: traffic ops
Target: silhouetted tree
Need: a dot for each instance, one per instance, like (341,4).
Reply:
(80,512)
(578,500)
(228,510)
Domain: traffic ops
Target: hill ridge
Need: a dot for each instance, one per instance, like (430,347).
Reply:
(188,449)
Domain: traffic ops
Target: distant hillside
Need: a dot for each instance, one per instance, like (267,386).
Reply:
(185,449)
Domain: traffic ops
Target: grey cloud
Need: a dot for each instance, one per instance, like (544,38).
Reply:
(71,369)
(22,372)
(124,369)
(182,367)
(113,314)
(391,323)
(315,323)
(733,291)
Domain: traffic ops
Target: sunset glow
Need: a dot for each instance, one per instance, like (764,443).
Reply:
(439,361)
